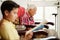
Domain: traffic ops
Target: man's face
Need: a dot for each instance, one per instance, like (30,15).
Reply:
(32,12)
(12,16)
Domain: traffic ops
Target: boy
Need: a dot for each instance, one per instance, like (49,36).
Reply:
(9,11)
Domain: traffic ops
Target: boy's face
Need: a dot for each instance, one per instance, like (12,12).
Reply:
(11,16)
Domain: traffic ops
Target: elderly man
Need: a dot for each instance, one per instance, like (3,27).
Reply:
(27,18)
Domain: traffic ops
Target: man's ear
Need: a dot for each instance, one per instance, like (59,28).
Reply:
(6,12)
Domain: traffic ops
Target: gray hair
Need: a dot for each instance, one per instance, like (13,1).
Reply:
(31,6)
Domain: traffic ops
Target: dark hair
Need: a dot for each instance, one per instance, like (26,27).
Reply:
(8,5)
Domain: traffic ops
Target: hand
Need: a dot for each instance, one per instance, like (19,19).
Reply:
(28,36)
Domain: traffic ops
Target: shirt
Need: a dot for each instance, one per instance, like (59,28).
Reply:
(8,31)
(26,19)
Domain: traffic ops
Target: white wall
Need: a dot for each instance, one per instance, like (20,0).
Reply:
(0,11)
(22,3)
(59,22)
(0,15)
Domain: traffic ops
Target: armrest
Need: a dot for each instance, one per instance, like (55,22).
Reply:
(30,26)
(51,23)
(37,22)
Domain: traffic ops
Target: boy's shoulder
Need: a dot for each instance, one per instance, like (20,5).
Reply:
(3,22)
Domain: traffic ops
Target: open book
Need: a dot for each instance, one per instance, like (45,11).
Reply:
(38,27)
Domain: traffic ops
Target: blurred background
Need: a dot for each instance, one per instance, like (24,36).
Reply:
(46,9)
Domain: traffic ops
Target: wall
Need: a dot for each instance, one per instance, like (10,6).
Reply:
(58,20)
(22,3)
(0,11)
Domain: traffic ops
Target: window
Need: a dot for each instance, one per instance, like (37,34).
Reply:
(36,0)
(43,0)
(47,13)
(50,0)
(39,14)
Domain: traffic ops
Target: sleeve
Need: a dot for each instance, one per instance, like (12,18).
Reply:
(21,11)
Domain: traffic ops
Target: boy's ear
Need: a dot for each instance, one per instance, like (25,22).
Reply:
(6,12)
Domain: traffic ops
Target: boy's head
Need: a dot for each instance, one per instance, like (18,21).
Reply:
(9,10)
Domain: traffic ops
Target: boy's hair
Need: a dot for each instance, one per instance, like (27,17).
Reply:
(8,5)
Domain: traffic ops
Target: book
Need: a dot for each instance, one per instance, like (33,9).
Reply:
(38,27)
